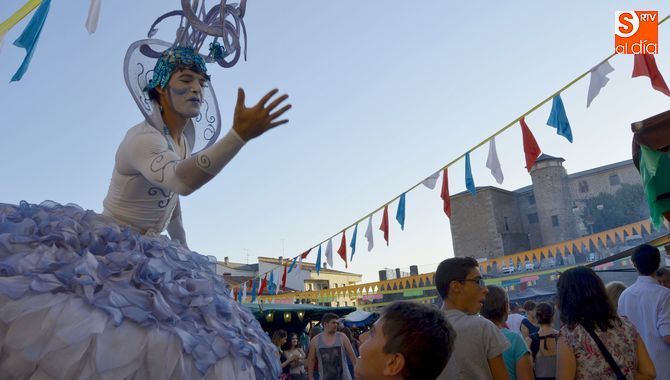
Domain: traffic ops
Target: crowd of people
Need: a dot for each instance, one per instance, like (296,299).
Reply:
(589,331)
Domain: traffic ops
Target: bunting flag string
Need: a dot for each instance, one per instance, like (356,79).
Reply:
(28,39)
(329,253)
(93,16)
(254,286)
(559,119)
(469,180)
(283,277)
(271,283)
(530,147)
(493,163)
(303,256)
(645,65)
(290,269)
(431,181)
(385,224)
(264,284)
(352,245)
(444,194)
(598,80)
(342,251)
(19,15)
(318,260)
(400,213)
(368,234)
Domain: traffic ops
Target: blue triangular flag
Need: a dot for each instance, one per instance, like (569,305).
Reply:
(558,119)
(400,214)
(271,285)
(318,260)
(254,289)
(352,244)
(469,181)
(29,36)
(292,264)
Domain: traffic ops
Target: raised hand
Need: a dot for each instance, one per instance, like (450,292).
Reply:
(253,122)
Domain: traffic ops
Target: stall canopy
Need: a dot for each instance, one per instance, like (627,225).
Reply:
(292,317)
(360,318)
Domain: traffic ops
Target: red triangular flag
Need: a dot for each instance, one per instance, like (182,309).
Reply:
(283,278)
(342,251)
(445,193)
(530,147)
(264,283)
(304,254)
(645,65)
(385,224)
(235,291)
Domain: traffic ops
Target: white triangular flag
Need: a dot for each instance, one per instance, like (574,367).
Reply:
(299,263)
(431,181)
(244,292)
(493,163)
(329,252)
(93,16)
(598,80)
(278,280)
(368,235)
(232,293)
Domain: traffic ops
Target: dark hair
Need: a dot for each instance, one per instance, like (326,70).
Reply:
(346,331)
(646,259)
(314,331)
(495,304)
(529,305)
(421,334)
(290,338)
(454,269)
(278,336)
(544,313)
(328,317)
(583,300)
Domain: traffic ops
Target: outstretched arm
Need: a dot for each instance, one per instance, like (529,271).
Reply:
(248,123)
(151,156)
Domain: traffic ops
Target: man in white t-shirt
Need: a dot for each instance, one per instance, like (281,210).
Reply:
(647,305)
(479,344)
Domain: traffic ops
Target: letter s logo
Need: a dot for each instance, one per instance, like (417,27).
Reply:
(626,23)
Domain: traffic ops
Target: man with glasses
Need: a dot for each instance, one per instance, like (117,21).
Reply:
(479,343)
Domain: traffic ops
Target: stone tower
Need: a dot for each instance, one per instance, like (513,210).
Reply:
(552,196)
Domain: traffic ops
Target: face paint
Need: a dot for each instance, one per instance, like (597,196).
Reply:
(185,93)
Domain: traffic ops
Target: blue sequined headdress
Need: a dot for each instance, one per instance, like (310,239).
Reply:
(150,62)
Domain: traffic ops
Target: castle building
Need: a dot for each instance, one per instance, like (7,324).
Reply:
(498,222)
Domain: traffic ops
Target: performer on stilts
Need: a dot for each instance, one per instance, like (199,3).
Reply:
(89,296)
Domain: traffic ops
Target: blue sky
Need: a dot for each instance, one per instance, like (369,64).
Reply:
(384,93)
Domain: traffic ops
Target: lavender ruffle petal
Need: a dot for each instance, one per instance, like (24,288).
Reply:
(51,248)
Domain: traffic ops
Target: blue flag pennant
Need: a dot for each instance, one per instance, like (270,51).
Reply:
(352,244)
(254,289)
(558,118)
(318,260)
(29,36)
(292,264)
(400,214)
(271,285)
(469,181)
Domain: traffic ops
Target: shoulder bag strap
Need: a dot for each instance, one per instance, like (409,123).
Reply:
(610,360)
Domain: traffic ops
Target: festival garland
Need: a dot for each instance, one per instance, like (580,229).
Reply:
(643,65)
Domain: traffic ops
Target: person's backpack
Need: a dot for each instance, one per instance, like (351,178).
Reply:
(545,366)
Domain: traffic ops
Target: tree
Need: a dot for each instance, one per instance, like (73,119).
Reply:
(606,210)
